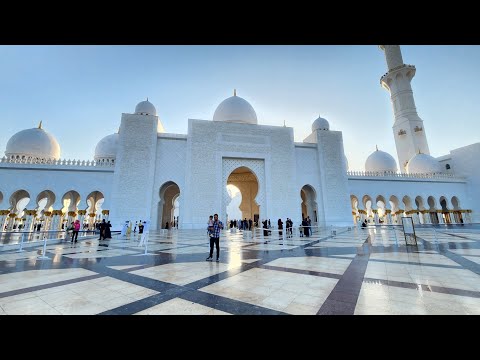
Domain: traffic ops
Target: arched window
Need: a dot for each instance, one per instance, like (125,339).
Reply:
(447,166)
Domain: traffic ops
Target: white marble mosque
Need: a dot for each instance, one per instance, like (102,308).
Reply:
(145,173)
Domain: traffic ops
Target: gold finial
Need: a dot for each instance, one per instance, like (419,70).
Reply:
(40,124)
(376,147)
(147,98)
(234,92)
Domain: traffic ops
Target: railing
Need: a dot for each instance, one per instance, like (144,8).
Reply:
(401,175)
(80,163)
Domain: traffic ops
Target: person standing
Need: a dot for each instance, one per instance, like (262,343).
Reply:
(102,227)
(75,230)
(108,233)
(215,237)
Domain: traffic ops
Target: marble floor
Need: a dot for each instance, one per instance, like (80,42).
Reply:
(354,272)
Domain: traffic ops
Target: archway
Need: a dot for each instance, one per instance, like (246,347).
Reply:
(432,208)
(420,209)
(18,204)
(169,193)
(396,210)
(355,211)
(44,202)
(445,210)
(247,183)
(381,209)
(457,215)
(309,203)
(70,201)
(93,209)
(367,205)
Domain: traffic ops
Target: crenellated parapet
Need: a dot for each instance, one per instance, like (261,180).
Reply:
(401,175)
(61,162)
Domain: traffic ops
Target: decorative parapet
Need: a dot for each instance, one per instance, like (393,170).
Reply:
(79,163)
(392,174)
(406,66)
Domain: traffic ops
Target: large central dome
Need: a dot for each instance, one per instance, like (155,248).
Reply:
(235,109)
(33,143)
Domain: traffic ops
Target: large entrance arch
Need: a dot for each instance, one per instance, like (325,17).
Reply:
(309,203)
(246,182)
(169,194)
(248,175)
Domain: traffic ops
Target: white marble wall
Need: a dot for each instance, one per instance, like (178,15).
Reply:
(333,178)
(134,170)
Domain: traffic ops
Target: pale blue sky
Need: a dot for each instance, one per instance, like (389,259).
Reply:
(80,92)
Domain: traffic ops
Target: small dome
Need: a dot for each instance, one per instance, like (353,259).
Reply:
(145,108)
(34,143)
(380,161)
(423,164)
(107,147)
(320,124)
(235,109)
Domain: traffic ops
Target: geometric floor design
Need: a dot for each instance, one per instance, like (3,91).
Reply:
(356,272)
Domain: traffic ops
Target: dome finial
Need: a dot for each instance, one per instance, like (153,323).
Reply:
(376,147)
(40,124)
(284,124)
(147,98)
(234,92)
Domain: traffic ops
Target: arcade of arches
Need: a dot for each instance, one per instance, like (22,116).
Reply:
(45,212)
(431,210)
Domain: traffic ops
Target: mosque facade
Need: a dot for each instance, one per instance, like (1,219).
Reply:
(144,173)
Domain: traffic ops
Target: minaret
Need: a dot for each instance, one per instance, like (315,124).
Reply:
(408,128)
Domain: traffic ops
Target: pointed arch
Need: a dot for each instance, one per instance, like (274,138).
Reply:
(168,193)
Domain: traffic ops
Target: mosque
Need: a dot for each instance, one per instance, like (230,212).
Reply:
(144,172)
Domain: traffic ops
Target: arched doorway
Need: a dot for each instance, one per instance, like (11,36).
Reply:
(432,208)
(247,183)
(169,194)
(93,211)
(445,210)
(70,201)
(457,214)
(45,200)
(18,201)
(309,203)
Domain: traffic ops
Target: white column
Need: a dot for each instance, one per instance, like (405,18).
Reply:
(3,218)
(375,216)
(29,222)
(389,216)
(440,218)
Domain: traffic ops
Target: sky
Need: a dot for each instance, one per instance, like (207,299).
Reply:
(80,92)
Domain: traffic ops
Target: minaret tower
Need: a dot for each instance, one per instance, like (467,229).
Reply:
(408,129)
